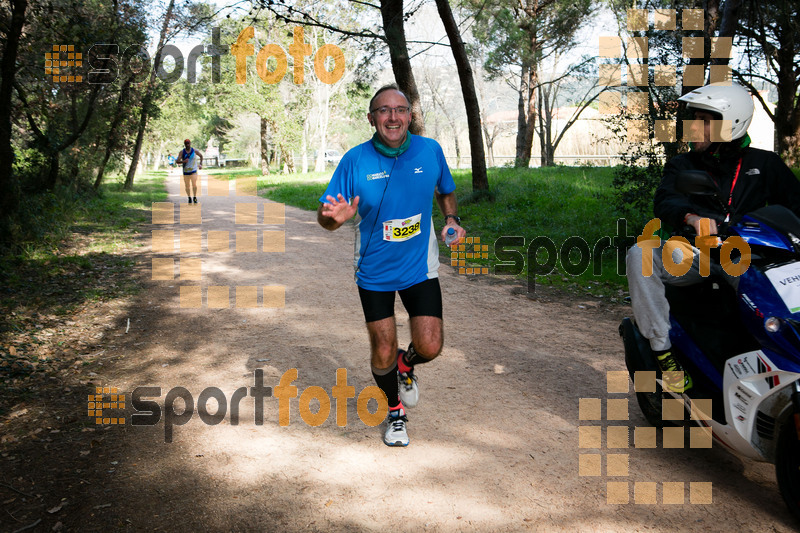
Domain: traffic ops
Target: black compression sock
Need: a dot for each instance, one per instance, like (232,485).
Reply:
(386,379)
(413,358)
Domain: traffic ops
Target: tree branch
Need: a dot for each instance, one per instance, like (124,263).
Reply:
(309,20)
(755,93)
(79,131)
(364,4)
(27,109)
(575,116)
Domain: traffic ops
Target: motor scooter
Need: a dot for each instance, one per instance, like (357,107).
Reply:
(740,346)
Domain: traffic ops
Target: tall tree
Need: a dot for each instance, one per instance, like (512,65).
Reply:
(56,114)
(393,17)
(114,130)
(149,95)
(480,180)
(56,108)
(394,30)
(522,35)
(549,97)
(771,35)
(55,137)
(249,92)
(9,188)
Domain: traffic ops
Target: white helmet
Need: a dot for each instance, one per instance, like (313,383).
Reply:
(731,102)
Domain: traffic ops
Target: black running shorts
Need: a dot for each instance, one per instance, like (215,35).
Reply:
(422,299)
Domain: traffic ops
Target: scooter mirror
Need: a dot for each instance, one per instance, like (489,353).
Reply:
(696,182)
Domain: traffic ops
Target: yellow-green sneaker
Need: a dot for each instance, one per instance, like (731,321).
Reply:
(675,377)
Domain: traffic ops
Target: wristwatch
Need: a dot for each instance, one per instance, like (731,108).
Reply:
(454,217)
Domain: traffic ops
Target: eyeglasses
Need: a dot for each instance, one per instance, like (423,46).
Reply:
(385,110)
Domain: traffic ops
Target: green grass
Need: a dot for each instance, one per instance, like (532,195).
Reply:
(231,173)
(298,190)
(302,195)
(552,203)
(556,203)
(79,261)
(115,214)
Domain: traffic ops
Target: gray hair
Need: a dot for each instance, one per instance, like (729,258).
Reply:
(389,87)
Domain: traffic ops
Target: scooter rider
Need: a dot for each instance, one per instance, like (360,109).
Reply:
(748,179)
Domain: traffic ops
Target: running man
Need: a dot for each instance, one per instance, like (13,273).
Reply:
(188,158)
(390,182)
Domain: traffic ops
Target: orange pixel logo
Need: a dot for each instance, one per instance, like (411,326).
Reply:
(63,55)
(641,73)
(618,441)
(97,403)
(459,256)
(195,240)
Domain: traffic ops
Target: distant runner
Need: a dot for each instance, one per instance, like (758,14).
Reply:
(188,157)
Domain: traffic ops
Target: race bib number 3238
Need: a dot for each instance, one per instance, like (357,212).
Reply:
(401,229)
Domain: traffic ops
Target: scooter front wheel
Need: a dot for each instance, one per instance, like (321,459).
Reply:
(638,358)
(787,466)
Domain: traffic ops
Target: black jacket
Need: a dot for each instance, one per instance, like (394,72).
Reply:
(763,180)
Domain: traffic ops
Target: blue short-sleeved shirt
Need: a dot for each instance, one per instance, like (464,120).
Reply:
(189,161)
(396,245)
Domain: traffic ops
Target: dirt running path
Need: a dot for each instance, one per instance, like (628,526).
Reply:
(494,440)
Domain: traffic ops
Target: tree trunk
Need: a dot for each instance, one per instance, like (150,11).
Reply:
(304,146)
(710,27)
(522,119)
(489,145)
(9,190)
(288,160)
(159,157)
(52,170)
(74,170)
(324,120)
(727,26)
(544,125)
(264,146)
(147,100)
(112,143)
(787,112)
(392,15)
(480,180)
(545,115)
(530,121)
(526,118)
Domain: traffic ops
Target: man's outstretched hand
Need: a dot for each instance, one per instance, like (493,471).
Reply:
(338,210)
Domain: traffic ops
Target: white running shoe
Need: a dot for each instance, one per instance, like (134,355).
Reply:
(396,434)
(408,388)
(407,384)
